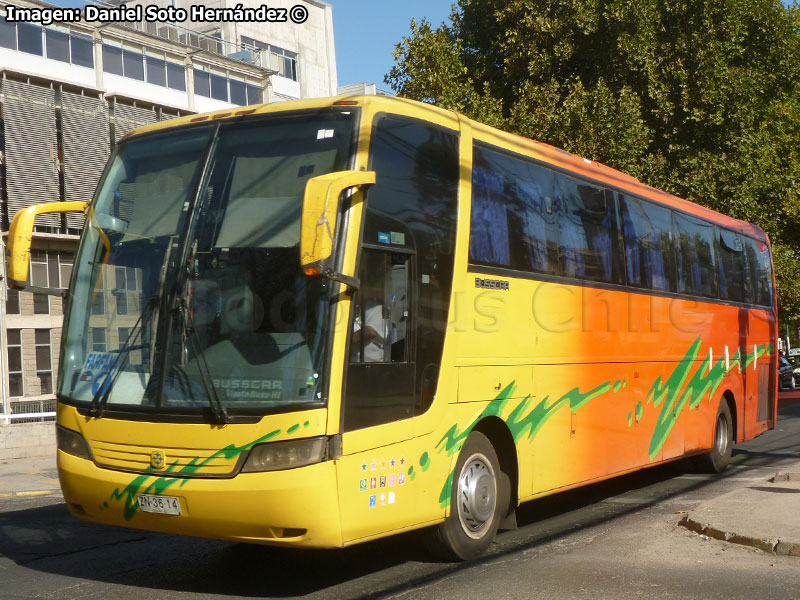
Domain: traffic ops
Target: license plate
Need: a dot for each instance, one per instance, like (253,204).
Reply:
(165,505)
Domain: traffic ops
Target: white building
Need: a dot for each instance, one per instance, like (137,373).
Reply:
(301,54)
(68,92)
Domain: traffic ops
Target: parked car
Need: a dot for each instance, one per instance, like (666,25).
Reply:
(785,374)
(795,362)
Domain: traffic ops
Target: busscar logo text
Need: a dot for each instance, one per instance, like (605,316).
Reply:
(491,284)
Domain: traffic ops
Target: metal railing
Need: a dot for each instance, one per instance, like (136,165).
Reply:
(36,410)
(208,41)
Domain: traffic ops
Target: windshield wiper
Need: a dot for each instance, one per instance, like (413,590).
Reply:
(100,398)
(217,409)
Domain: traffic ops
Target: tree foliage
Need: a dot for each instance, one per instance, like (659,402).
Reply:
(700,98)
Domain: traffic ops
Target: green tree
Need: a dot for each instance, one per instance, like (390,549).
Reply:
(700,98)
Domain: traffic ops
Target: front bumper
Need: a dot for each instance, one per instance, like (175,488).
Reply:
(296,507)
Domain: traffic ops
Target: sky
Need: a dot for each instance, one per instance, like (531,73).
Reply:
(366,32)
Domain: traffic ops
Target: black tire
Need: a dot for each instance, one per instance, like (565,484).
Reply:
(717,460)
(475,503)
(792,383)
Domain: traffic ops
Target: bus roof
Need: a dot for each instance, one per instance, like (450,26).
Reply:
(538,150)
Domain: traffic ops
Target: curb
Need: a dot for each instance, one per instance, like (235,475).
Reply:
(773,546)
(29,494)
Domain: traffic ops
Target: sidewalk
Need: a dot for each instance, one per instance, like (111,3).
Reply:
(762,515)
(22,477)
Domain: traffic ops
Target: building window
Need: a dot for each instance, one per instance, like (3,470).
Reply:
(81,50)
(253,94)
(38,275)
(8,34)
(125,290)
(112,59)
(65,262)
(122,302)
(156,71)
(202,85)
(238,92)
(30,39)
(41,304)
(219,87)
(44,366)
(14,362)
(99,303)
(12,304)
(283,61)
(98,339)
(57,45)
(176,76)
(133,64)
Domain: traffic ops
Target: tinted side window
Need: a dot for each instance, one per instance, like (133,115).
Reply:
(531,218)
(760,265)
(488,239)
(523,232)
(649,249)
(588,244)
(696,266)
(734,281)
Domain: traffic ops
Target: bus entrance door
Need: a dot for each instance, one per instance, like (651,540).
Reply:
(378,401)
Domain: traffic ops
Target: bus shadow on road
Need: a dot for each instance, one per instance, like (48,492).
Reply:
(48,540)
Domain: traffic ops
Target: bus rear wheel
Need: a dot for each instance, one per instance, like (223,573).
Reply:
(717,460)
(475,503)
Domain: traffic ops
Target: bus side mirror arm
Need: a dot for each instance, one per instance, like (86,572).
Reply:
(20,236)
(321,202)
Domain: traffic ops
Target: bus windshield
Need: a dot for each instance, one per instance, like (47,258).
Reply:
(187,293)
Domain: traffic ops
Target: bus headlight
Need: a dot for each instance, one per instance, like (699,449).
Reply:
(72,442)
(275,456)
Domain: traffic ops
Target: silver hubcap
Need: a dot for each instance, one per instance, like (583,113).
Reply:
(477,495)
(721,437)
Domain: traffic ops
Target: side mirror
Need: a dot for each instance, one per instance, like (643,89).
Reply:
(318,221)
(20,236)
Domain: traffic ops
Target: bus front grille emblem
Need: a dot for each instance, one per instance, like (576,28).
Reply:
(158,459)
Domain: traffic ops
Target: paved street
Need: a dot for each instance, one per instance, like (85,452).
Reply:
(618,539)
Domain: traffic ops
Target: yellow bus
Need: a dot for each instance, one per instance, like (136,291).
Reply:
(322,322)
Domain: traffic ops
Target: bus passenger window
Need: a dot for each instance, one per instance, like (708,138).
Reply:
(488,240)
(733,285)
(649,249)
(760,267)
(694,240)
(587,232)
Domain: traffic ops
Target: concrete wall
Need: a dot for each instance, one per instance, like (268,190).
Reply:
(27,440)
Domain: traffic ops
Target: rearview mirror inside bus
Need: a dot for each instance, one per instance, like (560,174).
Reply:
(20,236)
(318,222)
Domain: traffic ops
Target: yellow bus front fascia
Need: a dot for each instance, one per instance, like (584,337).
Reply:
(289,507)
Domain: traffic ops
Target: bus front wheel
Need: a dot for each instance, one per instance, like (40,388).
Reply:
(717,460)
(475,505)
